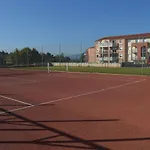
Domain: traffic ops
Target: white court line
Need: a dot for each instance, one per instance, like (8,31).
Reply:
(98,73)
(92,77)
(24,81)
(92,92)
(76,96)
(15,100)
(122,77)
(17,109)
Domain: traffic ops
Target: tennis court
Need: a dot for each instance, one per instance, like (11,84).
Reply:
(41,111)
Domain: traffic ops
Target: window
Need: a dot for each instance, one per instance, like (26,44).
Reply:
(143,51)
(97,56)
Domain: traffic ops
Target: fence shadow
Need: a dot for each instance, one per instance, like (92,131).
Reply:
(81,143)
(52,141)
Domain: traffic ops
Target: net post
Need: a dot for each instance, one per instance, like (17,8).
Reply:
(67,67)
(48,67)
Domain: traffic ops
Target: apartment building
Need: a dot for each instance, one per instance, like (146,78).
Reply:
(91,55)
(124,48)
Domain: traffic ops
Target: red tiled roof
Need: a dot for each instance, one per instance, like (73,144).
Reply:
(131,36)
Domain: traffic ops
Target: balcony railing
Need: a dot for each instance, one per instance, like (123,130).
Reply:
(106,44)
(109,44)
(106,58)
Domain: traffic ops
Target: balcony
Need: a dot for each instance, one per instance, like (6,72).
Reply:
(106,44)
(104,51)
(109,44)
(106,58)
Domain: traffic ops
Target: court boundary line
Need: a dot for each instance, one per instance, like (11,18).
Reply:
(111,74)
(99,73)
(26,81)
(91,92)
(98,78)
(15,100)
(76,96)
(121,78)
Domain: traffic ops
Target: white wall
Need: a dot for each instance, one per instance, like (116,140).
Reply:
(113,65)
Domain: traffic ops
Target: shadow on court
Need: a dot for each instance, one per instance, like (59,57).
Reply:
(52,140)
(42,141)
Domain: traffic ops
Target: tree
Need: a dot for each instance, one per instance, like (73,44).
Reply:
(17,56)
(82,58)
(29,56)
(35,56)
(49,57)
(3,56)
(67,59)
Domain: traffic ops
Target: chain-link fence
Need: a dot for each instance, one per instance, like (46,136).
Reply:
(40,55)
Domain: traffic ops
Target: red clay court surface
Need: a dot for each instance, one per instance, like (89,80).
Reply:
(41,111)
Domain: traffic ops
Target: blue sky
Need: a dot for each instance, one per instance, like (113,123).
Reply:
(49,22)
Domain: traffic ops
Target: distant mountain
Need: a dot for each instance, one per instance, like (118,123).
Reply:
(75,57)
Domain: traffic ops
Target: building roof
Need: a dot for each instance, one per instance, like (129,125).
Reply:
(130,36)
(90,47)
